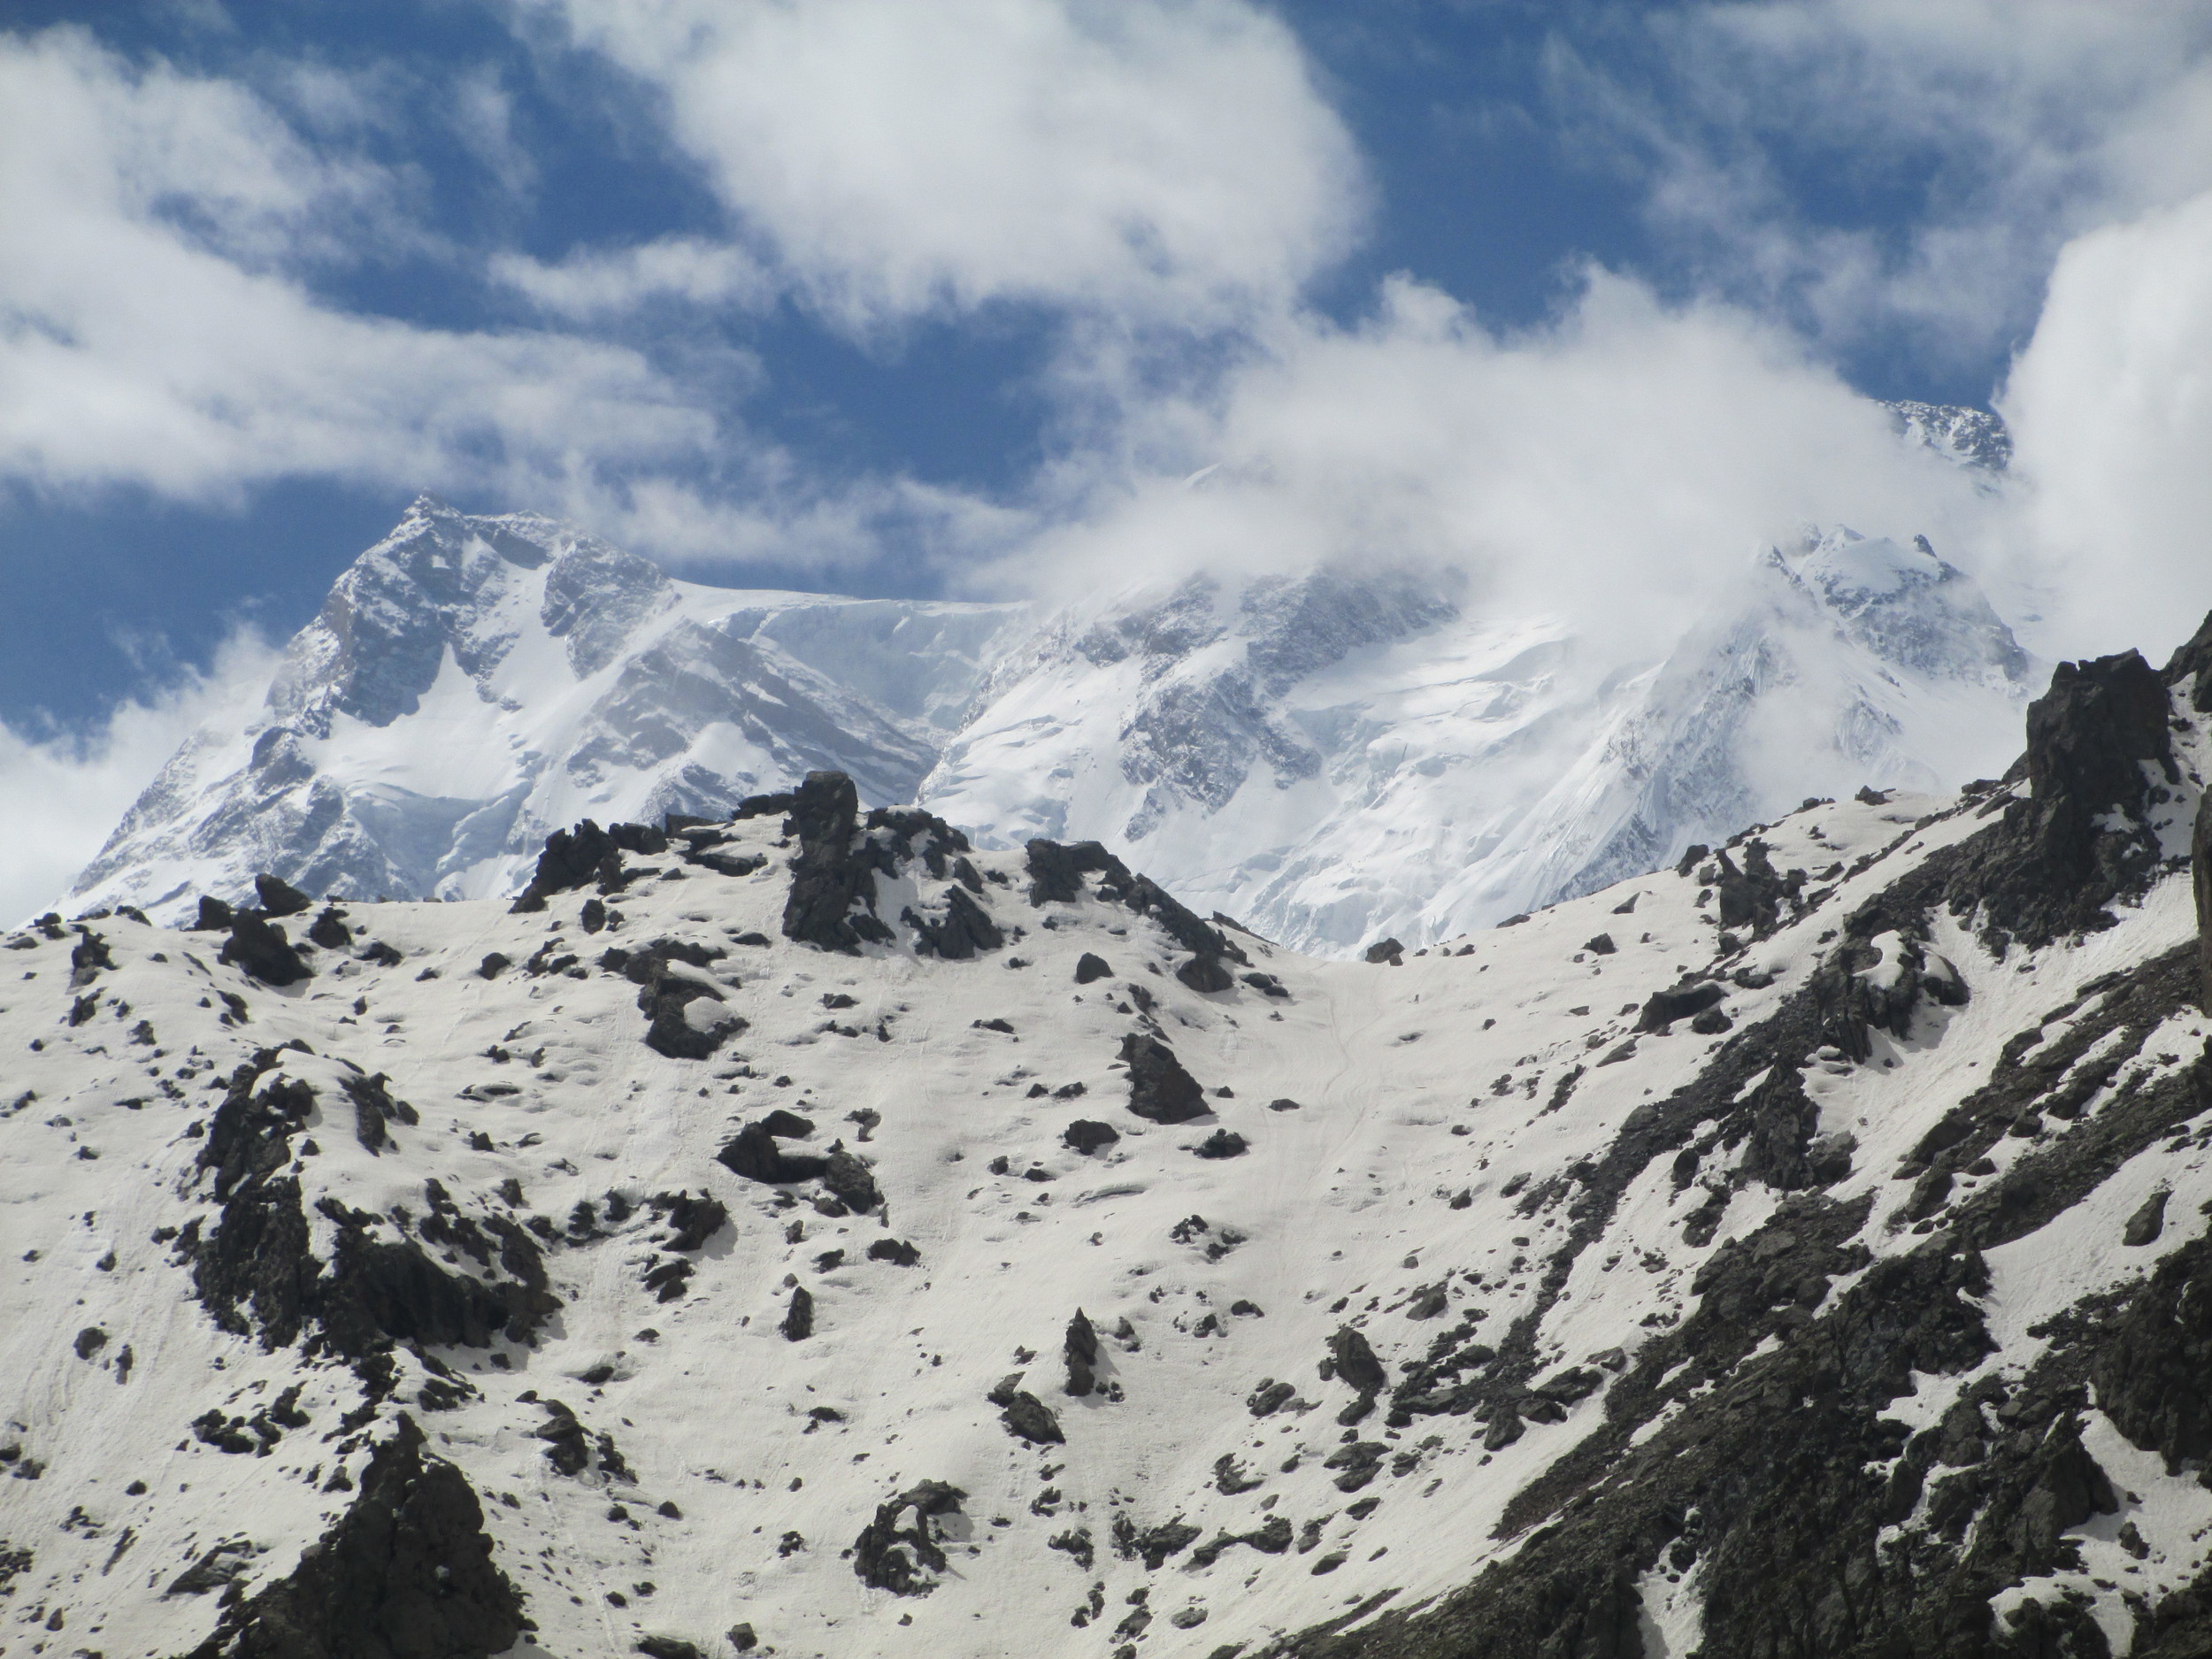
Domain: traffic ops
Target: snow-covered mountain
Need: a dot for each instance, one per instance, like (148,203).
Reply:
(473,684)
(1335,755)
(806,1233)
(1337,759)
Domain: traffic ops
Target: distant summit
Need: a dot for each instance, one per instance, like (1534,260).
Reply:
(1333,755)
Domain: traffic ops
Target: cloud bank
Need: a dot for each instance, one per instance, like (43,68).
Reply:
(1160,161)
(65,792)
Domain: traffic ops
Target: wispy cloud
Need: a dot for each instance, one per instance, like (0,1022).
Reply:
(62,793)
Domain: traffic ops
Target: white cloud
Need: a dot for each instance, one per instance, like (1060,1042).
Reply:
(600,282)
(2111,411)
(157,333)
(1168,161)
(61,795)
(1616,469)
(1967,139)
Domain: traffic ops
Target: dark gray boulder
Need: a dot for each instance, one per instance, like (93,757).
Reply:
(1087,1135)
(1663,1008)
(755,1155)
(1028,1418)
(1160,1090)
(280,898)
(1354,1361)
(258,946)
(798,1318)
(1079,1348)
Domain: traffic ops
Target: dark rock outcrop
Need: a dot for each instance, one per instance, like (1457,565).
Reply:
(755,1155)
(905,1560)
(1055,874)
(2150,1378)
(833,900)
(258,946)
(1089,967)
(255,1273)
(2200,863)
(373,1108)
(1087,1135)
(577,857)
(2080,839)
(798,1318)
(1079,1348)
(1056,870)
(1354,1362)
(1160,1090)
(280,898)
(666,993)
(407,1570)
(691,1221)
(965,930)
(832,903)
(1028,1418)
(1663,1008)
(849,1180)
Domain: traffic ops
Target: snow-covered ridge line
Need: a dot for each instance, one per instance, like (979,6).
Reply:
(805,1230)
(1334,755)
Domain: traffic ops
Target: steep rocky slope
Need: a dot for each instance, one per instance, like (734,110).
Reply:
(806,1233)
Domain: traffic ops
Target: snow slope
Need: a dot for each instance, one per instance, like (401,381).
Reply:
(1598,1246)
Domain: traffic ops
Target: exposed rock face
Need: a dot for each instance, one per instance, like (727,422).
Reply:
(965,931)
(1159,1089)
(2201,862)
(2081,839)
(833,888)
(255,1269)
(576,857)
(407,1571)
(1774,1517)
(1056,875)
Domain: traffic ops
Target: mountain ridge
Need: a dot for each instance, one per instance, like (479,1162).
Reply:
(1334,755)
(1820,1215)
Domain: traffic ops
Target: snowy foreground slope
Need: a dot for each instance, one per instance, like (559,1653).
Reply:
(800,1235)
(1333,755)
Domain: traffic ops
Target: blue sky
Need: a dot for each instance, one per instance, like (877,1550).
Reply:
(856,295)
